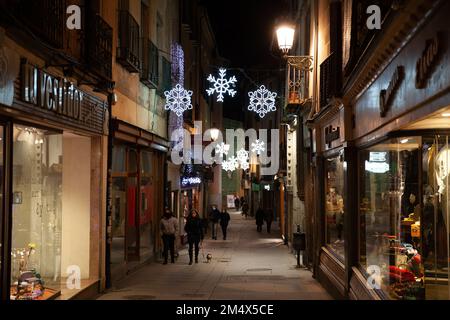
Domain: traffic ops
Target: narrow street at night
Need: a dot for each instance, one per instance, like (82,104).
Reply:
(147,148)
(247,266)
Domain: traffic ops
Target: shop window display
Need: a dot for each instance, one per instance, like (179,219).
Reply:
(334,204)
(403,216)
(436,214)
(37,212)
(51,213)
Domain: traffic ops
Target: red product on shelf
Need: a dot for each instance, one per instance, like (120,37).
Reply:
(400,275)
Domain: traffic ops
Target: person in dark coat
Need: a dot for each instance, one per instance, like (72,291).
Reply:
(268,218)
(214,217)
(245,209)
(194,230)
(224,220)
(236,203)
(259,216)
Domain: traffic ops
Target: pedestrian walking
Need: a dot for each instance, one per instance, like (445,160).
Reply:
(224,221)
(214,217)
(268,218)
(194,230)
(245,209)
(259,219)
(169,230)
(236,203)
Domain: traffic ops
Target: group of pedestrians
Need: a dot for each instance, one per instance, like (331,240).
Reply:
(194,228)
(221,218)
(261,216)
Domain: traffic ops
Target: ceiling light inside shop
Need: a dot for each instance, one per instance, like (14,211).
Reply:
(446,115)
(404,141)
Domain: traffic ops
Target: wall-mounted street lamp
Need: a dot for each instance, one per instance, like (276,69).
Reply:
(298,67)
(285,37)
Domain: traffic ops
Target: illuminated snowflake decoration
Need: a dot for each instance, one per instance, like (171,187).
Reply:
(262,101)
(227,166)
(243,159)
(245,165)
(230,164)
(242,155)
(222,85)
(178,100)
(222,149)
(258,147)
(234,163)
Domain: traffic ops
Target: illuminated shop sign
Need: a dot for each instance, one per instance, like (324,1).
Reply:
(190,181)
(377,167)
(378,156)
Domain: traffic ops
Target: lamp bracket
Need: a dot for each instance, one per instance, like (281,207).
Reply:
(300,62)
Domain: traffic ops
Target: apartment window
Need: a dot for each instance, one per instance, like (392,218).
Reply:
(128,51)
(150,56)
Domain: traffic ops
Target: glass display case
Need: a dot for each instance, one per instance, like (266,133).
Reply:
(403,216)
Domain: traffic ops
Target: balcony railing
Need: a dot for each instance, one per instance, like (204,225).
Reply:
(150,64)
(298,70)
(330,79)
(99,46)
(128,53)
(45,18)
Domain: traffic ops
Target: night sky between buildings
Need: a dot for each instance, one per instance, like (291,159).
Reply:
(245,36)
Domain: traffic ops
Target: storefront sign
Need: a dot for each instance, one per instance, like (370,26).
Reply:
(190,181)
(332,135)
(387,95)
(427,62)
(377,156)
(377,167)
(61,98)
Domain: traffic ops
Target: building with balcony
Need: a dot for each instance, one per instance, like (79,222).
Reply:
(197,47)
(379,144)
(55,84)
(144,32)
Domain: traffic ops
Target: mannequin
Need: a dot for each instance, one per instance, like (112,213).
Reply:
(414,208)
(335,209)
